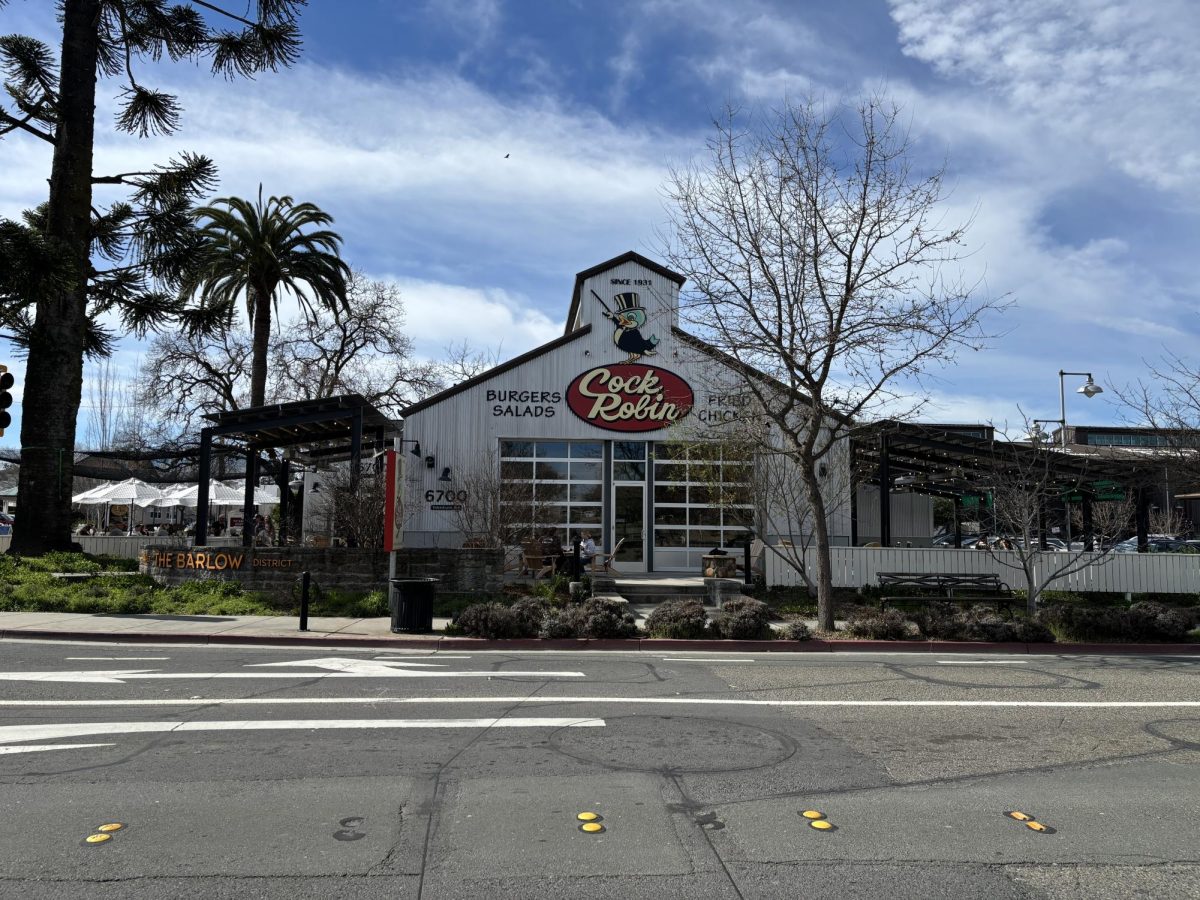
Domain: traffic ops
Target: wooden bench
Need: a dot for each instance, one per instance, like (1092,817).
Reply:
(979,589)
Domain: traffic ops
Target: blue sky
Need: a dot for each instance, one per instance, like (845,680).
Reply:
(1069,127)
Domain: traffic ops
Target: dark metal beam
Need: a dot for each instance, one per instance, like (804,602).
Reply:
(206,436)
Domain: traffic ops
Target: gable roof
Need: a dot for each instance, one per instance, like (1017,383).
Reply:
(496,370)
(630,256)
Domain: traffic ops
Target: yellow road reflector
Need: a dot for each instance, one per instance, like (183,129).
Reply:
(591,827)
(588,817)
(111,826)
(98,838)
(1037,826)
(1019,816)
(821,825)
(812,814)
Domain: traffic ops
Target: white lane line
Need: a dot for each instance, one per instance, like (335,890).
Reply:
(39,748)
(14,733)
(701,659)
(982,662)
(118,658)
(120,676)
(543,699)
(420,653)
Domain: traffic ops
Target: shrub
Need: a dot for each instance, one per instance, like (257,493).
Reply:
(879,625)
(596,618)
(528,614)
(743,619)
(600,618)
(798,631)
(494,621)
(678,619)
(1144,621)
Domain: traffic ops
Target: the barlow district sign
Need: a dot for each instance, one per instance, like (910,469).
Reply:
(212,560)
(630,397)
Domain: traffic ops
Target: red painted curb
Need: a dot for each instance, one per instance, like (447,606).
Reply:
(978,647)
(656,645)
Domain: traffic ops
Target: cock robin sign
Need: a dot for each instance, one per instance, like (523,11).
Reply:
(630,397)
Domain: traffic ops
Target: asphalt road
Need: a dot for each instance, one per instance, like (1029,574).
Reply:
(243,772)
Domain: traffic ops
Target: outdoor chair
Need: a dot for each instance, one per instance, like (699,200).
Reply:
(605,560)
(535,559)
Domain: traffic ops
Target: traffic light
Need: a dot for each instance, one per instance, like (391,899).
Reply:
(6,383)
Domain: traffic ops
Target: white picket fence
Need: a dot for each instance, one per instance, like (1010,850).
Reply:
(130,546)
(1164,573)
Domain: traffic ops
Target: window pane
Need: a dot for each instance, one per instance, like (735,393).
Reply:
(550,514)
(587,450)
(670,472)
(516,448)
(581,471)
(735,537)
(670,493)
(517,470)
(670,515)
(629,449)
(548,492)
(588,493)
(701,494)
(629,471)
(704,515)
(670,537)
(555,449)
(585,515)
(737,474)
(708,539)
(551,470)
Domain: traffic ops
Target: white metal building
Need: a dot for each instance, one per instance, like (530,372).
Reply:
(580,425)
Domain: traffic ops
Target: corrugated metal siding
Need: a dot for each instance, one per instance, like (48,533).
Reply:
(1166,573)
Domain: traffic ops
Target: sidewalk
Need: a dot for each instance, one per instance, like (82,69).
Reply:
(323,631)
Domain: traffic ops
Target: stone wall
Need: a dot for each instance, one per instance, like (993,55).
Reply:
(276,570)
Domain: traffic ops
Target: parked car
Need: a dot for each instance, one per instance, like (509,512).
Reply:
(1156,543)
(946,541)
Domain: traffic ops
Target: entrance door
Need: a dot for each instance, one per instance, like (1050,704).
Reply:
(629,523)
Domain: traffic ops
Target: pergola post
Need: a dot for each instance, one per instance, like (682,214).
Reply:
(1089,535)
(285,473)
(1143,520)
(206,436)
(248,507)
(885,494)
(958,523)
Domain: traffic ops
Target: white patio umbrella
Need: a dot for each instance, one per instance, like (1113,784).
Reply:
(219,494)
(88,497)
(130,491)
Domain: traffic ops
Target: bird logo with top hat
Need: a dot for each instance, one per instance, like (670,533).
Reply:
(629,318)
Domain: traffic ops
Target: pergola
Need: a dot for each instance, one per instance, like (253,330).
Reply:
(957,462)
(329,428)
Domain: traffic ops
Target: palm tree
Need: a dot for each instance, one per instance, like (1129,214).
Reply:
(260,251)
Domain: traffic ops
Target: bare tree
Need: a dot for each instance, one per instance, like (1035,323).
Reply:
(1169,402)
(357,505)
(488,508)
(361,349)
(1027,490)
(462,362)
(188,378)
(817,257)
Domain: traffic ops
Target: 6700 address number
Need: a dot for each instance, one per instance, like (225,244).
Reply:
(445,496)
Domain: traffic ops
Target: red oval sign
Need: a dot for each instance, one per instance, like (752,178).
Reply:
(630,397)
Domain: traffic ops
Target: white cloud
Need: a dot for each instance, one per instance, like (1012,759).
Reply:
(492,319)
(1116,74)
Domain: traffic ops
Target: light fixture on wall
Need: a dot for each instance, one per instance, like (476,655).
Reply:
(445,476)
(416,446)
(429,462)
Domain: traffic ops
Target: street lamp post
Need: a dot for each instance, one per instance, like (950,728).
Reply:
(1089,389)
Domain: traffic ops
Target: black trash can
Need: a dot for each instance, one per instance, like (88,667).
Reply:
(412,610)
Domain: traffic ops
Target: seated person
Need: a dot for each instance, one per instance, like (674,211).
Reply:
(587,548)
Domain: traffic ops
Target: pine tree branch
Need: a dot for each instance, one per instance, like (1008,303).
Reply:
(24,125)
